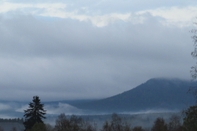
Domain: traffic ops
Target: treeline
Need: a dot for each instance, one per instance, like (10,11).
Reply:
(116,123)
(20,120)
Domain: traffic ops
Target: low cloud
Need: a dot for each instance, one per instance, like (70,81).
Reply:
(4,107)
(22,108)
(84,55)
(62,108)
(47,59)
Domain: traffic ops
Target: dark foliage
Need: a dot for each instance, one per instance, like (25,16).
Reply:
(38,127)
(190,119)
(138,128)
(34,114)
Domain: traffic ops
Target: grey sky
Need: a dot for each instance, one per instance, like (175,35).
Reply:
(91,49)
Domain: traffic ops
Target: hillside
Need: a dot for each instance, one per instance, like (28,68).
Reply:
(166,94)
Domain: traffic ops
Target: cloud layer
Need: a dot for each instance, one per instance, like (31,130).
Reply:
(98,16)
(59,52)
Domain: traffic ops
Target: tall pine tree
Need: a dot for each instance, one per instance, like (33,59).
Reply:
(34,114)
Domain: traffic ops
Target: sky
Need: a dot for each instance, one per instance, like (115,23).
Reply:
(88,49)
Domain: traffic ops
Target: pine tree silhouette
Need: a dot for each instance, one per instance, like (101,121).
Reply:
(34,114)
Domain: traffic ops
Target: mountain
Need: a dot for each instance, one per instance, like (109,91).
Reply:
(166,94)
(153,95)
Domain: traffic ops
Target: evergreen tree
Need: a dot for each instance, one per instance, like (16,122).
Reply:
(34,114)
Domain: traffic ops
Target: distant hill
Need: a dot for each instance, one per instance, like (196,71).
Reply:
(166,94)
(152,96)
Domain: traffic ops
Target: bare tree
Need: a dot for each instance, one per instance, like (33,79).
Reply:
(106,127)
(193,71)
(73,123)
(138,128)
(116,124)
(159,125)
(62,123)
(175,123)
(13,129)
(49,127)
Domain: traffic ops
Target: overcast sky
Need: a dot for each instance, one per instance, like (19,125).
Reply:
(81,49)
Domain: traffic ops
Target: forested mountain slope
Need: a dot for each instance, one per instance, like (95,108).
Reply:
(169,94)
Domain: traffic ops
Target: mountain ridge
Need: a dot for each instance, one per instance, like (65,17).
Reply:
(156,93)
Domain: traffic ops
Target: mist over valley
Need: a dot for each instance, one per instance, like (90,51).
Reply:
(154,98)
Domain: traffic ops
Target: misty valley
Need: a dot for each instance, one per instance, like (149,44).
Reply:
(142,120)
(98,65)
(157,101)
